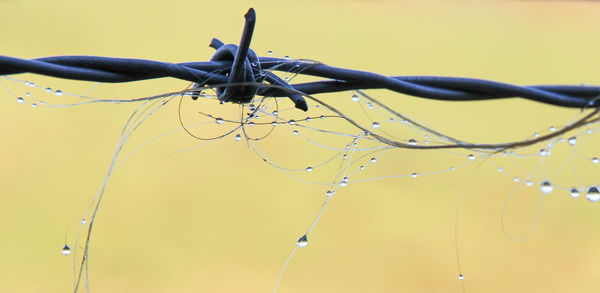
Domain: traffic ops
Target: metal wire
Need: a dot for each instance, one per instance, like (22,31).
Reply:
(232,65)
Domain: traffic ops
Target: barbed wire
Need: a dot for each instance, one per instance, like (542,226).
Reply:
(239,74)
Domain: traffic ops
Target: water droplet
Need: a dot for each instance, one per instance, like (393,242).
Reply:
(373,160)
(593,194)
(572,140)
(344,182)
(589,131)
(529,183)
(308,119)
(461,277)
(362,167)
(48,90)
(270,52)
(355,98)
(292,122)
(595,160)
(412,141)
(251,107)
(552,128)
(20,100)
(544,152)
(516,179)
(262,73)
(500,169)
(83,221)
(329,193)
(296,132)
(536,134)
(546,186)
(27,94)
(219,120)
(322,116)
(370,105)
(237,137)
(251,123)
(375,125)
(452,168)
(344,157)
(471,157)
(31,84)
(58,93)
(309,169)
(302,241)
(253,64)
(286,57)
(66,250)
(33,105)
(574,192)
(414,175)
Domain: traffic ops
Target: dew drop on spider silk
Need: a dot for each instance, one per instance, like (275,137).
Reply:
(270,52)
(33,105)
(362,167)
(66,250)
(500,169)
(286,57)
(471,157)
(309,169)
(593,194)
(344,156)
(572,140)
(254,64)
(29,83)
(461,277)
(251,107)
(516,179)
(274,123)
(58,93)
(552,129)
(414,175)
(219,120)
(574,192)
(412,141)
(302,241)
(20,100)
(529,183)
(452,168)
(238,137)
(543,152)
(329,193)
(292,122)
(308,119)
(251,123)
(83,221)
(370,105)
(595,160)
(296,132)
(27,94)
(589,131)
(355,98)
(375,125)
(48,90)
(546,186)
(373,160)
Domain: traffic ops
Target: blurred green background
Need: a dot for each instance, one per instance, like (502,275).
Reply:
(217,219)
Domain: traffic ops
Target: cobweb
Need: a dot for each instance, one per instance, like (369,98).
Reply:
(354,138)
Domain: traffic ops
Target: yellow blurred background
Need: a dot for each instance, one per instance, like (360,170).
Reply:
(217,219)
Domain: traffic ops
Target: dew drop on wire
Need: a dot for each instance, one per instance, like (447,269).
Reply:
(593,194)
(546,186)
(219,120)
(595,160)
(302,241)
(412,141)
(66,250)
(238,137)
(355,98)
(572,140)
(20,100)
(309,169)
(574,192)
(375,125)
(58,93)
